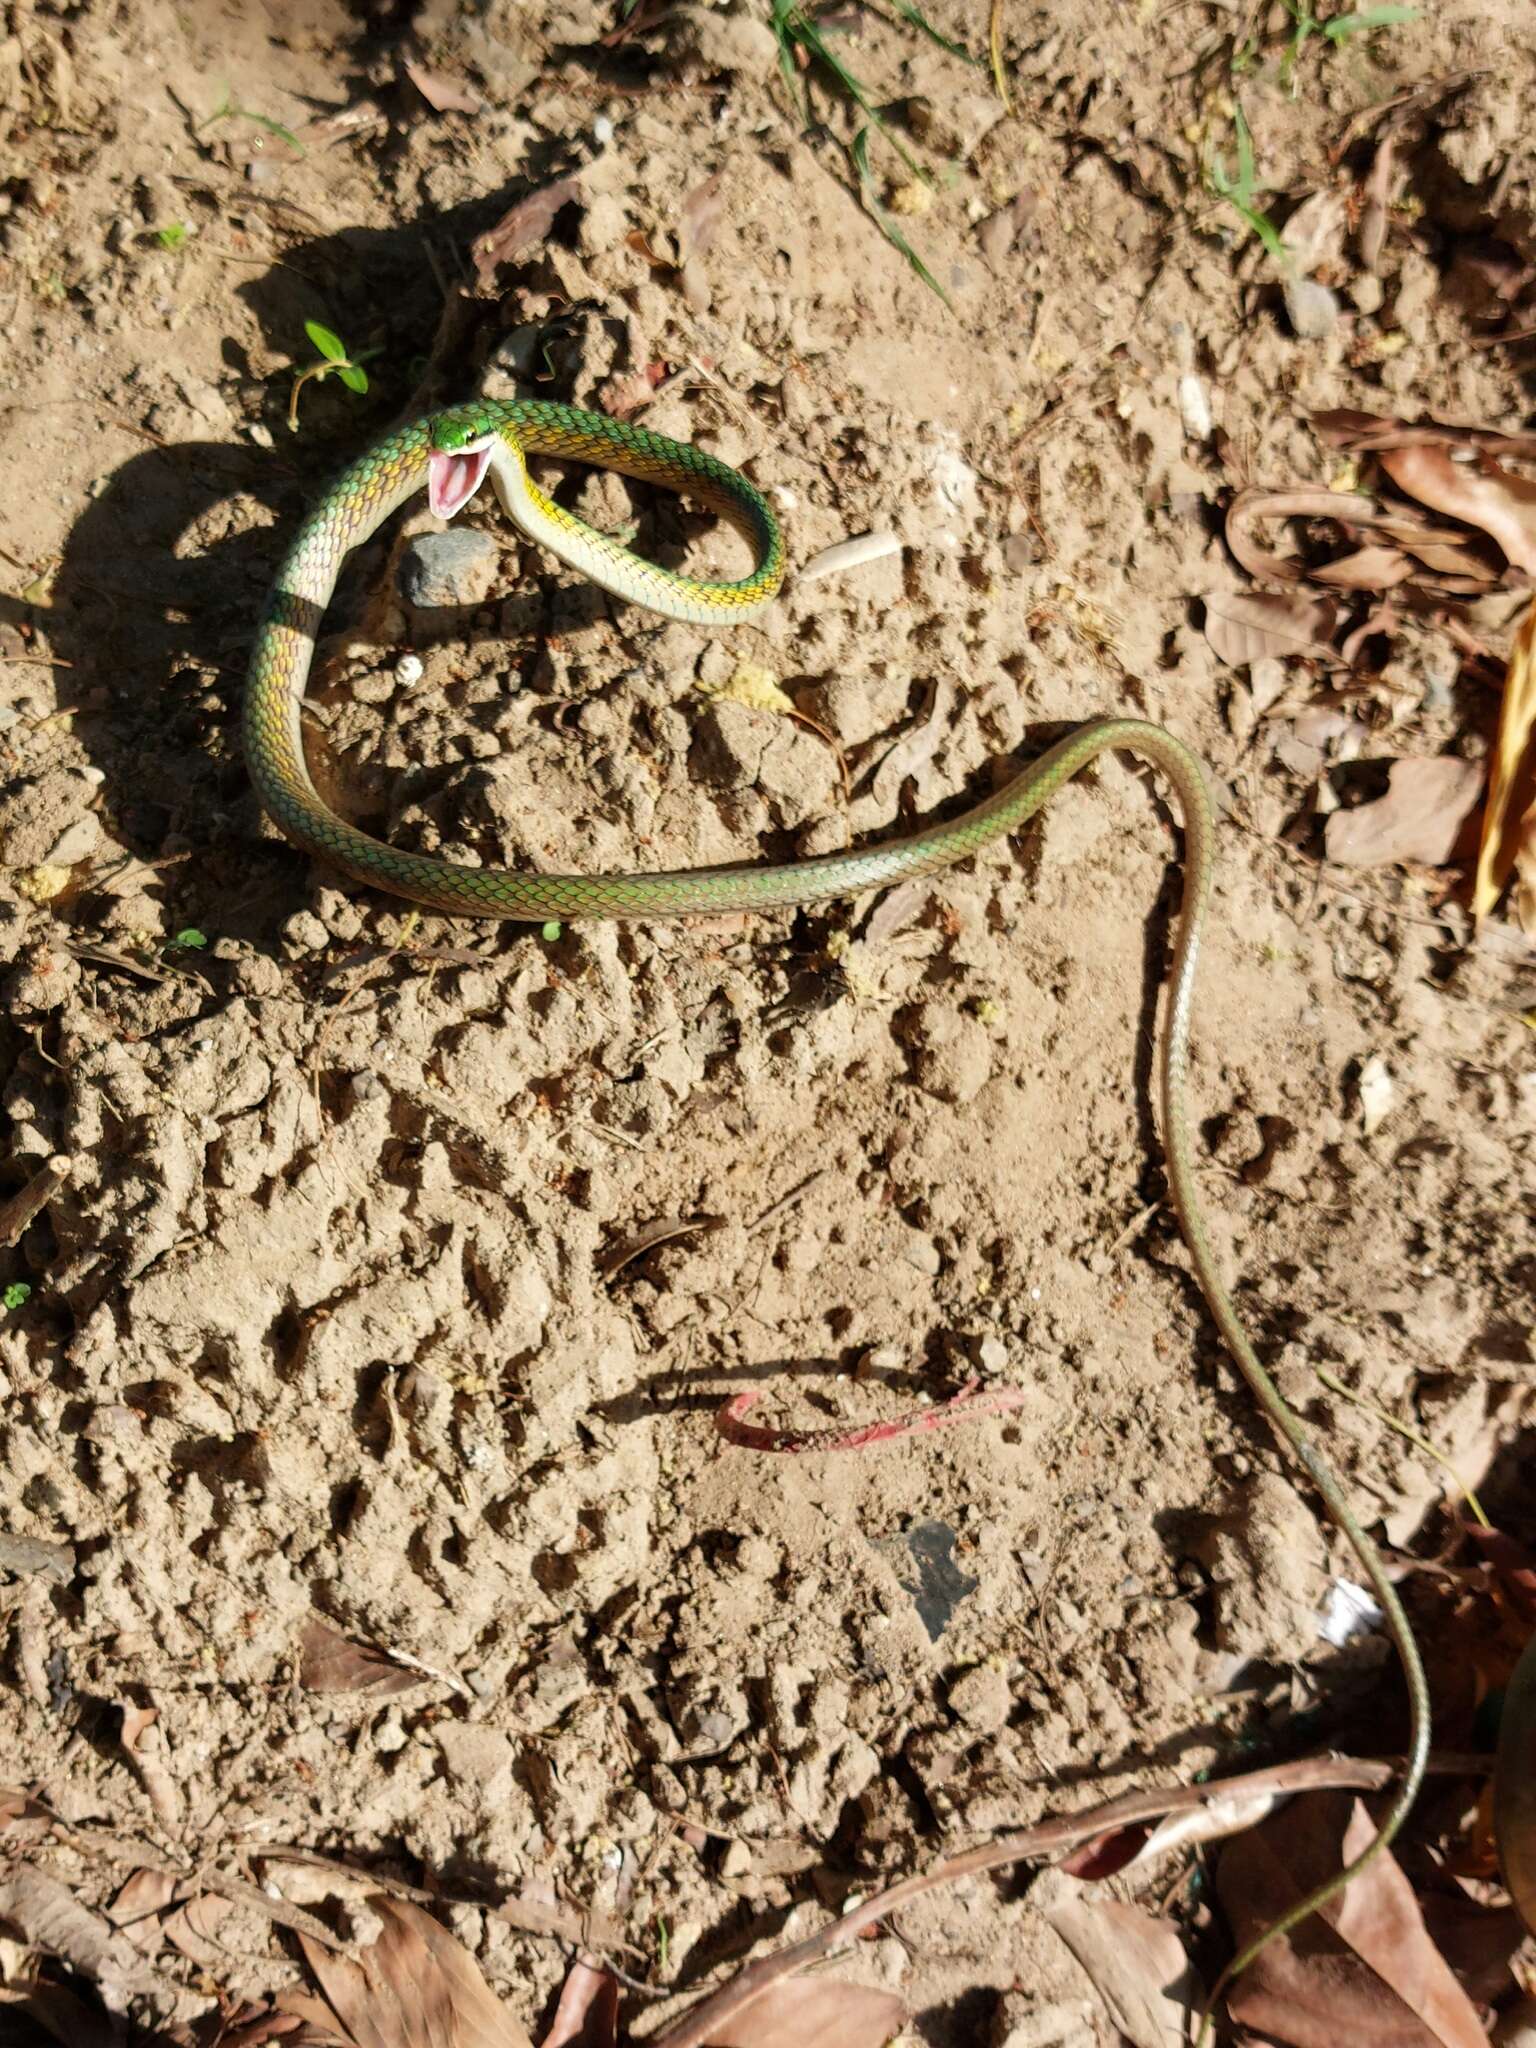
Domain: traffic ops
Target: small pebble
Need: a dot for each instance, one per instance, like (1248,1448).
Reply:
(409,670)
(1312,308)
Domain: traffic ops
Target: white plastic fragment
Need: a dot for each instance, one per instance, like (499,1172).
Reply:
(1349,1611)
(409,670)
(849,554)
(1377,1091)
(1196,408)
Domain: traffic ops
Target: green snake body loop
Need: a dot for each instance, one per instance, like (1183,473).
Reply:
(499,436)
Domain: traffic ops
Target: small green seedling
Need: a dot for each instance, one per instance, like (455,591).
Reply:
(16,1294)
(884,222)
(1238,190)
(173,236)
(1337,29)
(550,932)
(802,44)
(334,356)
(228,111)
(191,938)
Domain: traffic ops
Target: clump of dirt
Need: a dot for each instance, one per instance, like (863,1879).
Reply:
(326,1325)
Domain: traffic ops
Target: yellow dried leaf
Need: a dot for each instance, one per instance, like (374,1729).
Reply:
(756,687)
(1509,819)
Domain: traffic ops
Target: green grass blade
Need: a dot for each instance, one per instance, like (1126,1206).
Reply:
(883,221)
(911,12)
(1344,25)
(810,38)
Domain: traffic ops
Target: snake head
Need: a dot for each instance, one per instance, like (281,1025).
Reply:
(462,441)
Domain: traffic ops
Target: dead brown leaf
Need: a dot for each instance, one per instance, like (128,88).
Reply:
(1495,500)
(193,1928)
(1510,818)
(814,2012)
(520,227)
(1374,567)
(1419,819)
(441,94)
(332,1662)
(588,2013)
(139,1908)
(416,1987)
(1514,1787)
(1361,433)
(1244,626)
(664,1231)
(1138,1967)
(1250,506)
(1362,1969)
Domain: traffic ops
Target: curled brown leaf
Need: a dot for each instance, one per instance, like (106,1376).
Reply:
(1359,433)
(1349,508)
(442,95)
(1509,823)
(332,1662)
(1362,1968)
(520,227)
(1420,818)
(1244,626)
(1138,1967)
(1500,503)
(814,2012)
(416,1987)
(1374,567)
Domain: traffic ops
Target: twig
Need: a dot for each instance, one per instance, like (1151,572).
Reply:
(796,1194)
(709,2019)
(1412,1436)
(995,52)
(961,1407)
(18,1212)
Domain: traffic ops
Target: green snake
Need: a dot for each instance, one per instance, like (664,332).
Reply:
(453,452)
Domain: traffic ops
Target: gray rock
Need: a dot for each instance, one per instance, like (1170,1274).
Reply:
(37,811)
(453,568)
(728,746)
(76,843)
(1311,307)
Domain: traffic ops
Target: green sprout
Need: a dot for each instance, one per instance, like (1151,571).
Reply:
(1238,190)
(228,111)
(173,235)
(334,356)
(550,932)
(16,1294)
(191,937)
(802,44)
(883,221)
(1337,29)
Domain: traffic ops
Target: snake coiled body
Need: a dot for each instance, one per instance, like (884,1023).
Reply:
(452,452)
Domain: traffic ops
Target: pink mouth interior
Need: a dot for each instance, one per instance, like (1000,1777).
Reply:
(454,476)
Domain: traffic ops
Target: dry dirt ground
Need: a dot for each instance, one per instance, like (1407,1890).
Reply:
(326,1323)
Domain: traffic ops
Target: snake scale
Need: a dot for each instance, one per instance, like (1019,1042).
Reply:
(452,452)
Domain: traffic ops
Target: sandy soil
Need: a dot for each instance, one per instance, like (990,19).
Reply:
(326,1325)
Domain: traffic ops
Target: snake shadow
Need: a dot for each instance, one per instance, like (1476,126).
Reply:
(156,596)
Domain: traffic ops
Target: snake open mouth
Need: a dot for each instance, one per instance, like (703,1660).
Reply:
(455,474)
